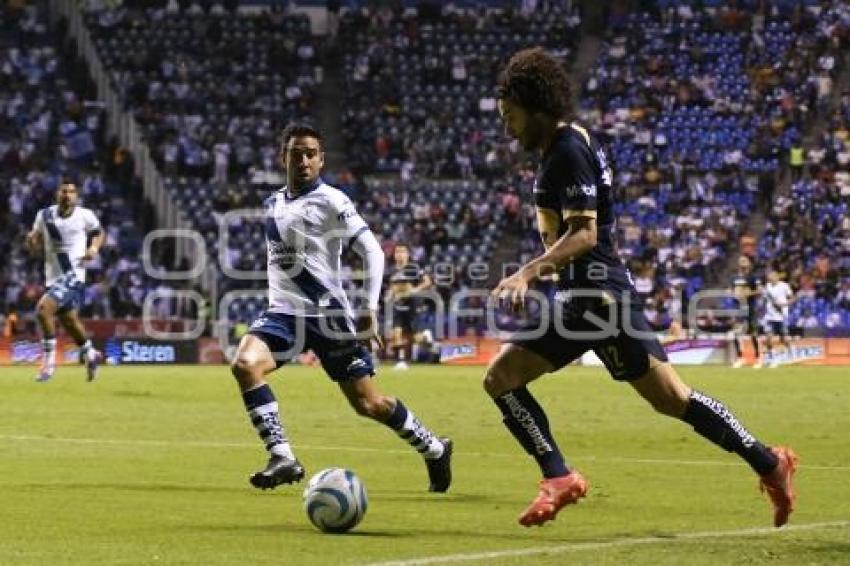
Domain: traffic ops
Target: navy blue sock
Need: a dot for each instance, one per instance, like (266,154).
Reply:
(263,411)
(524,417)
(412,431)
(714,421)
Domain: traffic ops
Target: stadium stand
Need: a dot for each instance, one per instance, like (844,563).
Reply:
(699,108)
(212,91)
(51,126)
(420,91)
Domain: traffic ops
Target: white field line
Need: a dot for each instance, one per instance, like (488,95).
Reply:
(329,448)
(614,543)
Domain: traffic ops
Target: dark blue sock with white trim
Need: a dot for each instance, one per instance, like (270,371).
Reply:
(263,411)
(410,429)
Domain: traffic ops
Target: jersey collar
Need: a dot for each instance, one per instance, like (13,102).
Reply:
(316,184)
(70,212)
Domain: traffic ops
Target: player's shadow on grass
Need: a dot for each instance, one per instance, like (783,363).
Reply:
(421,495)
(140,487)
(304,528)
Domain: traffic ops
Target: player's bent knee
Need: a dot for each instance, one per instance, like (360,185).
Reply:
(244,367)
(663,389)
(377,408)
(500,377)
(44,310)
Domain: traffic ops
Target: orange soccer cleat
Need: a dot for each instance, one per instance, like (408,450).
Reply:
(554,494)
(779,484)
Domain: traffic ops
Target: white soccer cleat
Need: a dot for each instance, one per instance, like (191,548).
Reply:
(758,365)
(738,364)
(401,366)
(93,360)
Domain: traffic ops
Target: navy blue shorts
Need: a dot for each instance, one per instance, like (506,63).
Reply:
(343,357)
(625,356)
(68,292)
(403,316)
(776,328)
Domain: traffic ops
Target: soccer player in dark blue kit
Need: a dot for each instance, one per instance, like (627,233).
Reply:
(596,307)
(746,287)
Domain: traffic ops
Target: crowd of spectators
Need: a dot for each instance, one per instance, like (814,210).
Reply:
(807,238)
(699,108)
(211,89)
(420,97)
(51,126)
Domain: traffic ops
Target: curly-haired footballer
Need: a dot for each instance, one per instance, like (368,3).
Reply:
(595,307)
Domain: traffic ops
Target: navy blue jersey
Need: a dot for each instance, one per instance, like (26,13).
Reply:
(403,279)
(574,179)
(410,273)
(747,283)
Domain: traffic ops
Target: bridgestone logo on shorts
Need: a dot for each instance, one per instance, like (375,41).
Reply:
(521,414)
(721,411)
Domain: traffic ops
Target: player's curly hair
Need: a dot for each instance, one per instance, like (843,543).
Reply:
(301,130)
(536,81)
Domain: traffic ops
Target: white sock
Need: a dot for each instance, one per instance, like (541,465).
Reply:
(48,346)
(283,449)
(88,350)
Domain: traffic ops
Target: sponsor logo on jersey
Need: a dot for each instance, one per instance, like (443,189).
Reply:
(578,190)
(347,213)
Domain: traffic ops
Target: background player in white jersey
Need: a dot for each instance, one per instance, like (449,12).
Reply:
(778,297)
(307,223)
(68,235)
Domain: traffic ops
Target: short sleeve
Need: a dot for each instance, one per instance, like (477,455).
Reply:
(38,223)
(92,224)
(348,221)
(578,187)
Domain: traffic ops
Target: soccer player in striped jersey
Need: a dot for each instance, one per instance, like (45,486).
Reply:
(596,307)
(68,235)
(307,223)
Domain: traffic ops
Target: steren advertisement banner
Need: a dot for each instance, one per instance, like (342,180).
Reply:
(124,350)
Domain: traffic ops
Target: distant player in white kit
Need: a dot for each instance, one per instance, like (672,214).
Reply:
(68,235)
(307,223)
(778,296)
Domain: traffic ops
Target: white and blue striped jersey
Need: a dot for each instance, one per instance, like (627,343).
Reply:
(305,236)
(65,240)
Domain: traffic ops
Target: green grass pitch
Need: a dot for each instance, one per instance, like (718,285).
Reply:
(149,465)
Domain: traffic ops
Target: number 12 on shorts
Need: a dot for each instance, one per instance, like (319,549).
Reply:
(611,356)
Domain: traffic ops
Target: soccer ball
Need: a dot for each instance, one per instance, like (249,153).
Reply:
(335,500)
